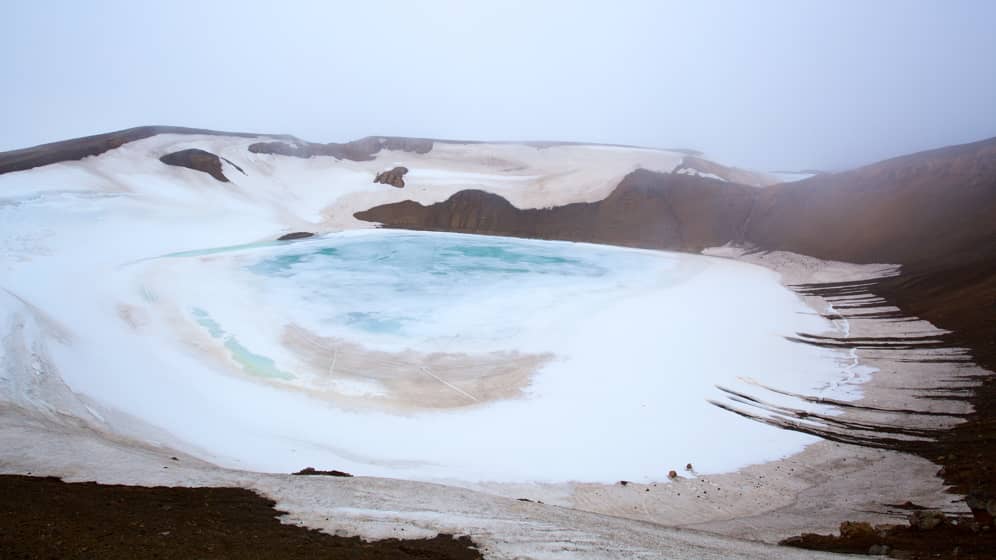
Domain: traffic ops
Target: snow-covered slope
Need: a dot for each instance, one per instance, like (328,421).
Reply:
(184,350)
(152,329)
(322,193)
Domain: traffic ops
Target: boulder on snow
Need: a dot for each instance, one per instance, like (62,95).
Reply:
(312,471)
(395,177)
(295,235)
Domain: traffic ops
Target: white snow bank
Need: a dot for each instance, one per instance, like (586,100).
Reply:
(189,350)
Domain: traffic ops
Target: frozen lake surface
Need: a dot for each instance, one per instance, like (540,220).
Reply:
(389,353)
(365,351)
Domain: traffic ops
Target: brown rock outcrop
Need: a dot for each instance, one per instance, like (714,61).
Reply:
(199,160)
(857,530)
(647,209)
(394,177)
(312,471)
(363,149)
(295,235)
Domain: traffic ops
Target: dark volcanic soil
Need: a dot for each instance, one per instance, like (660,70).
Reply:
(908,543)
(959,294)
(48,518)
(913,209)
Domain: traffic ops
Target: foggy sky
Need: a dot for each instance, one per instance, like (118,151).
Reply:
(765,84)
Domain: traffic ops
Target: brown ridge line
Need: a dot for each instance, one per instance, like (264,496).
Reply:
(361,149)
(79,148)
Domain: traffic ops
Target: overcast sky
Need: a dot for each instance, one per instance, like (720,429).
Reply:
(766,84)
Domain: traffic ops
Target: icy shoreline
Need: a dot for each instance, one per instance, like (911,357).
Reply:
(203,361)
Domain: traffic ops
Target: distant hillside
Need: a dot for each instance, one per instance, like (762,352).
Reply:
(906,210)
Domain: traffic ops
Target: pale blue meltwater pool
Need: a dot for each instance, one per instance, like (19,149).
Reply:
(420,290)
(335,349)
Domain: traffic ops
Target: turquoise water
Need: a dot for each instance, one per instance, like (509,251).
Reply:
(419,255)
(227,249)
(435,292)
(405,284)
(254,364)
